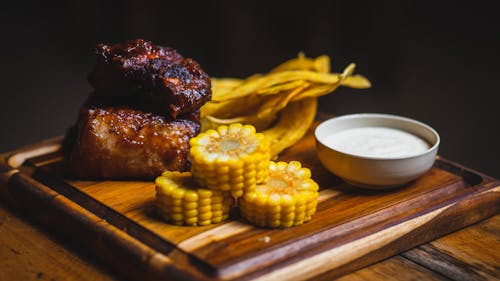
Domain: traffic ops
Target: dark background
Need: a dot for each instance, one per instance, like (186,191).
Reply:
(434,61)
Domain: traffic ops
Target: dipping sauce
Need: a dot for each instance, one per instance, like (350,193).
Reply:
(377,142)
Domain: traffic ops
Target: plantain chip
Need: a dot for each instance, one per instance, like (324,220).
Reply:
(293,124)
(221,86)
(278,102)
(276,89)
(299,63)
(316,91)
(322,64)
(281,103)
(356,81)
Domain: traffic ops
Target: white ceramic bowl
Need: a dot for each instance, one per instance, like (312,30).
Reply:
(376,172)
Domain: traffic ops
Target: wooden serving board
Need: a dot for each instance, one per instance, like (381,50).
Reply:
(115,221)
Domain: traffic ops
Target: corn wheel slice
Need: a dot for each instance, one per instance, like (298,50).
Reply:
(181,201)
(232,158)
(287,198)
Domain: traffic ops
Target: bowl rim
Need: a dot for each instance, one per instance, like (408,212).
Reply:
(379,115)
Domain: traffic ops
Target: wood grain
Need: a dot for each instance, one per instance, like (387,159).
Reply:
(28,253)
(51,259)
(397,268)
(469,254)
(351,229)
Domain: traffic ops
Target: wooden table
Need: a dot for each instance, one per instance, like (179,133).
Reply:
(28,252)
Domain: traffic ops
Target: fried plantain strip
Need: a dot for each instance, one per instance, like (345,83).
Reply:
(293,124)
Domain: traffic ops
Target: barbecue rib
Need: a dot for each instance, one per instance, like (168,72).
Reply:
(119,142)
(157,78)
(144,109)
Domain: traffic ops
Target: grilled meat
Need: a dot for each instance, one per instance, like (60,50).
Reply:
(157,78)
(144,109)
(119,142)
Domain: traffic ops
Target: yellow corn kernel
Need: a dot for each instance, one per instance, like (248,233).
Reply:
(181,201)
(287,198)
(232,158)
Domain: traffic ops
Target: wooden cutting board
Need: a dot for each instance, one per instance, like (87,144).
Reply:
(115,221)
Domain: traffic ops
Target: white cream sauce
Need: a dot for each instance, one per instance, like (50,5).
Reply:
(377,142)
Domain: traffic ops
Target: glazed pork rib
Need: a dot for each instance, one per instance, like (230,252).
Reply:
(155,77)
(120,142)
